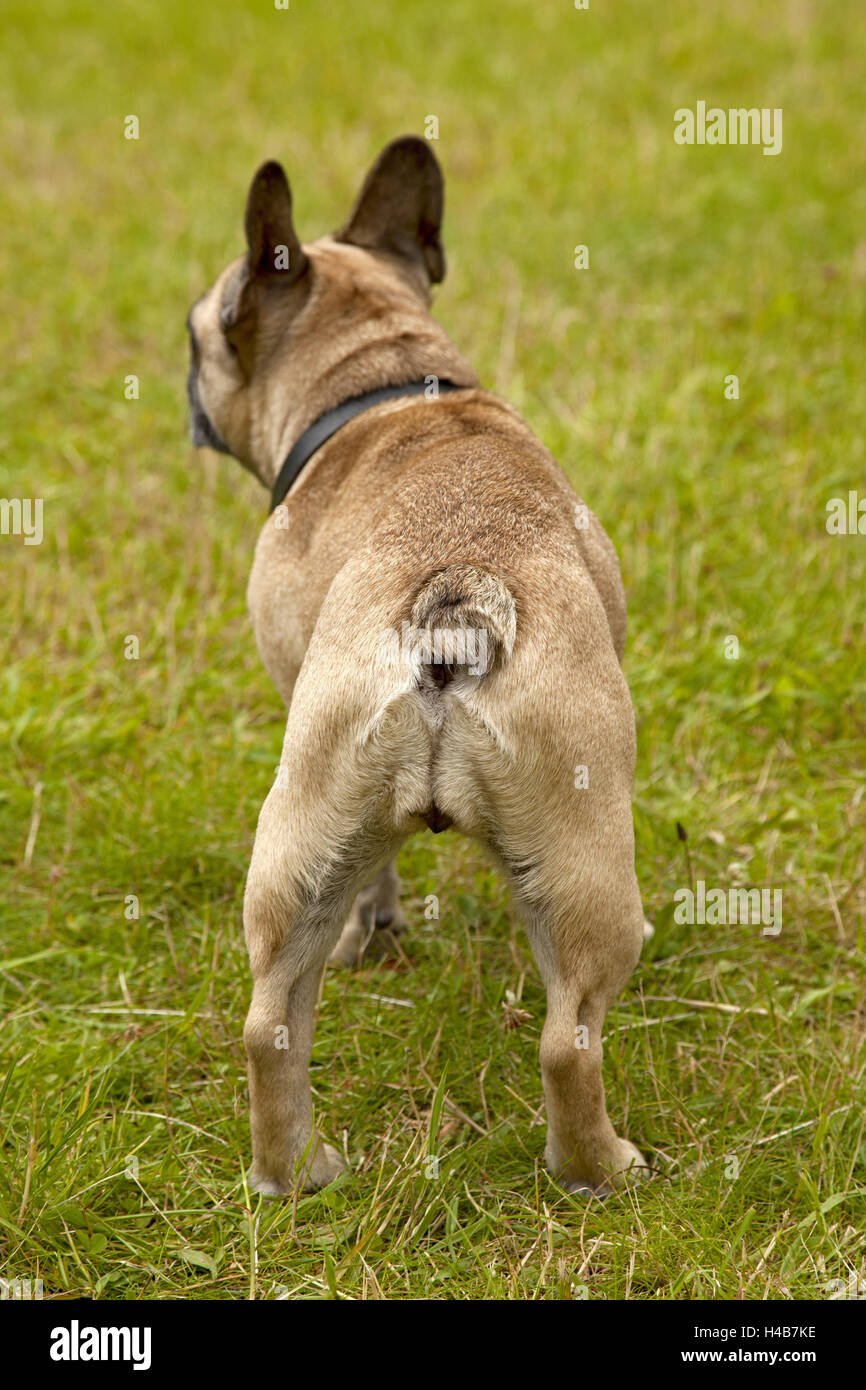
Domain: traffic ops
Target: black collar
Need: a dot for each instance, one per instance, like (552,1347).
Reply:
(320,430)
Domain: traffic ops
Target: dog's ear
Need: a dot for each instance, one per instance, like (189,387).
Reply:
(399,208)
(274,259)
(273,248)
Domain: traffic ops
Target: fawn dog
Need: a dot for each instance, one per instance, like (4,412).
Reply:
(444,620)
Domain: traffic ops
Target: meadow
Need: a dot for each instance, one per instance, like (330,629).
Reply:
(134,771)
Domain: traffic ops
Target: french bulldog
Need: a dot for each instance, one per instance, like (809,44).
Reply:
(445,620)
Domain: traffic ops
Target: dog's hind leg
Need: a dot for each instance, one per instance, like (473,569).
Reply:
(580,900)
(567,844)
(586,930)
(300,886)
(278,1036)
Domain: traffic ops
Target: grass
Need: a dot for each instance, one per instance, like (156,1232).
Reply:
(736,1060)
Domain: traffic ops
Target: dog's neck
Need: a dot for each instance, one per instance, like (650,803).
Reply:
(426,353)
(316,437)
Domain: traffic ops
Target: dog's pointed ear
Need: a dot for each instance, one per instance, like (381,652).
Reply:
(273,247)
(399,208)
(274,257)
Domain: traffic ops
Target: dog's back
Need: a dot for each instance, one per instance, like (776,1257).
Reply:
(463,660)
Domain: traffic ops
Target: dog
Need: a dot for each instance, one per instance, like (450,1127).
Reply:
(445,621)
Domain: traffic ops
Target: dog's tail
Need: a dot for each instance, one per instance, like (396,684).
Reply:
(464,622)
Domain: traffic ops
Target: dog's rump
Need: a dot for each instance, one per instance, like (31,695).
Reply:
(462,626)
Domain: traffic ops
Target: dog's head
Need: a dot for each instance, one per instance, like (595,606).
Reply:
(287,331)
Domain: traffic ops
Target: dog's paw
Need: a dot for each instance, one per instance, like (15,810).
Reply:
(633,1169)
(346,953)
(384,942)
(350,948)
(370,935)
(327,1165)
(267,1187)
(324,1166)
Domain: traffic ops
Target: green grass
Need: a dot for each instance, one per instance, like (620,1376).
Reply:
(123,1037)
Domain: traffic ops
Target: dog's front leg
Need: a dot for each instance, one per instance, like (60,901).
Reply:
(375,923)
